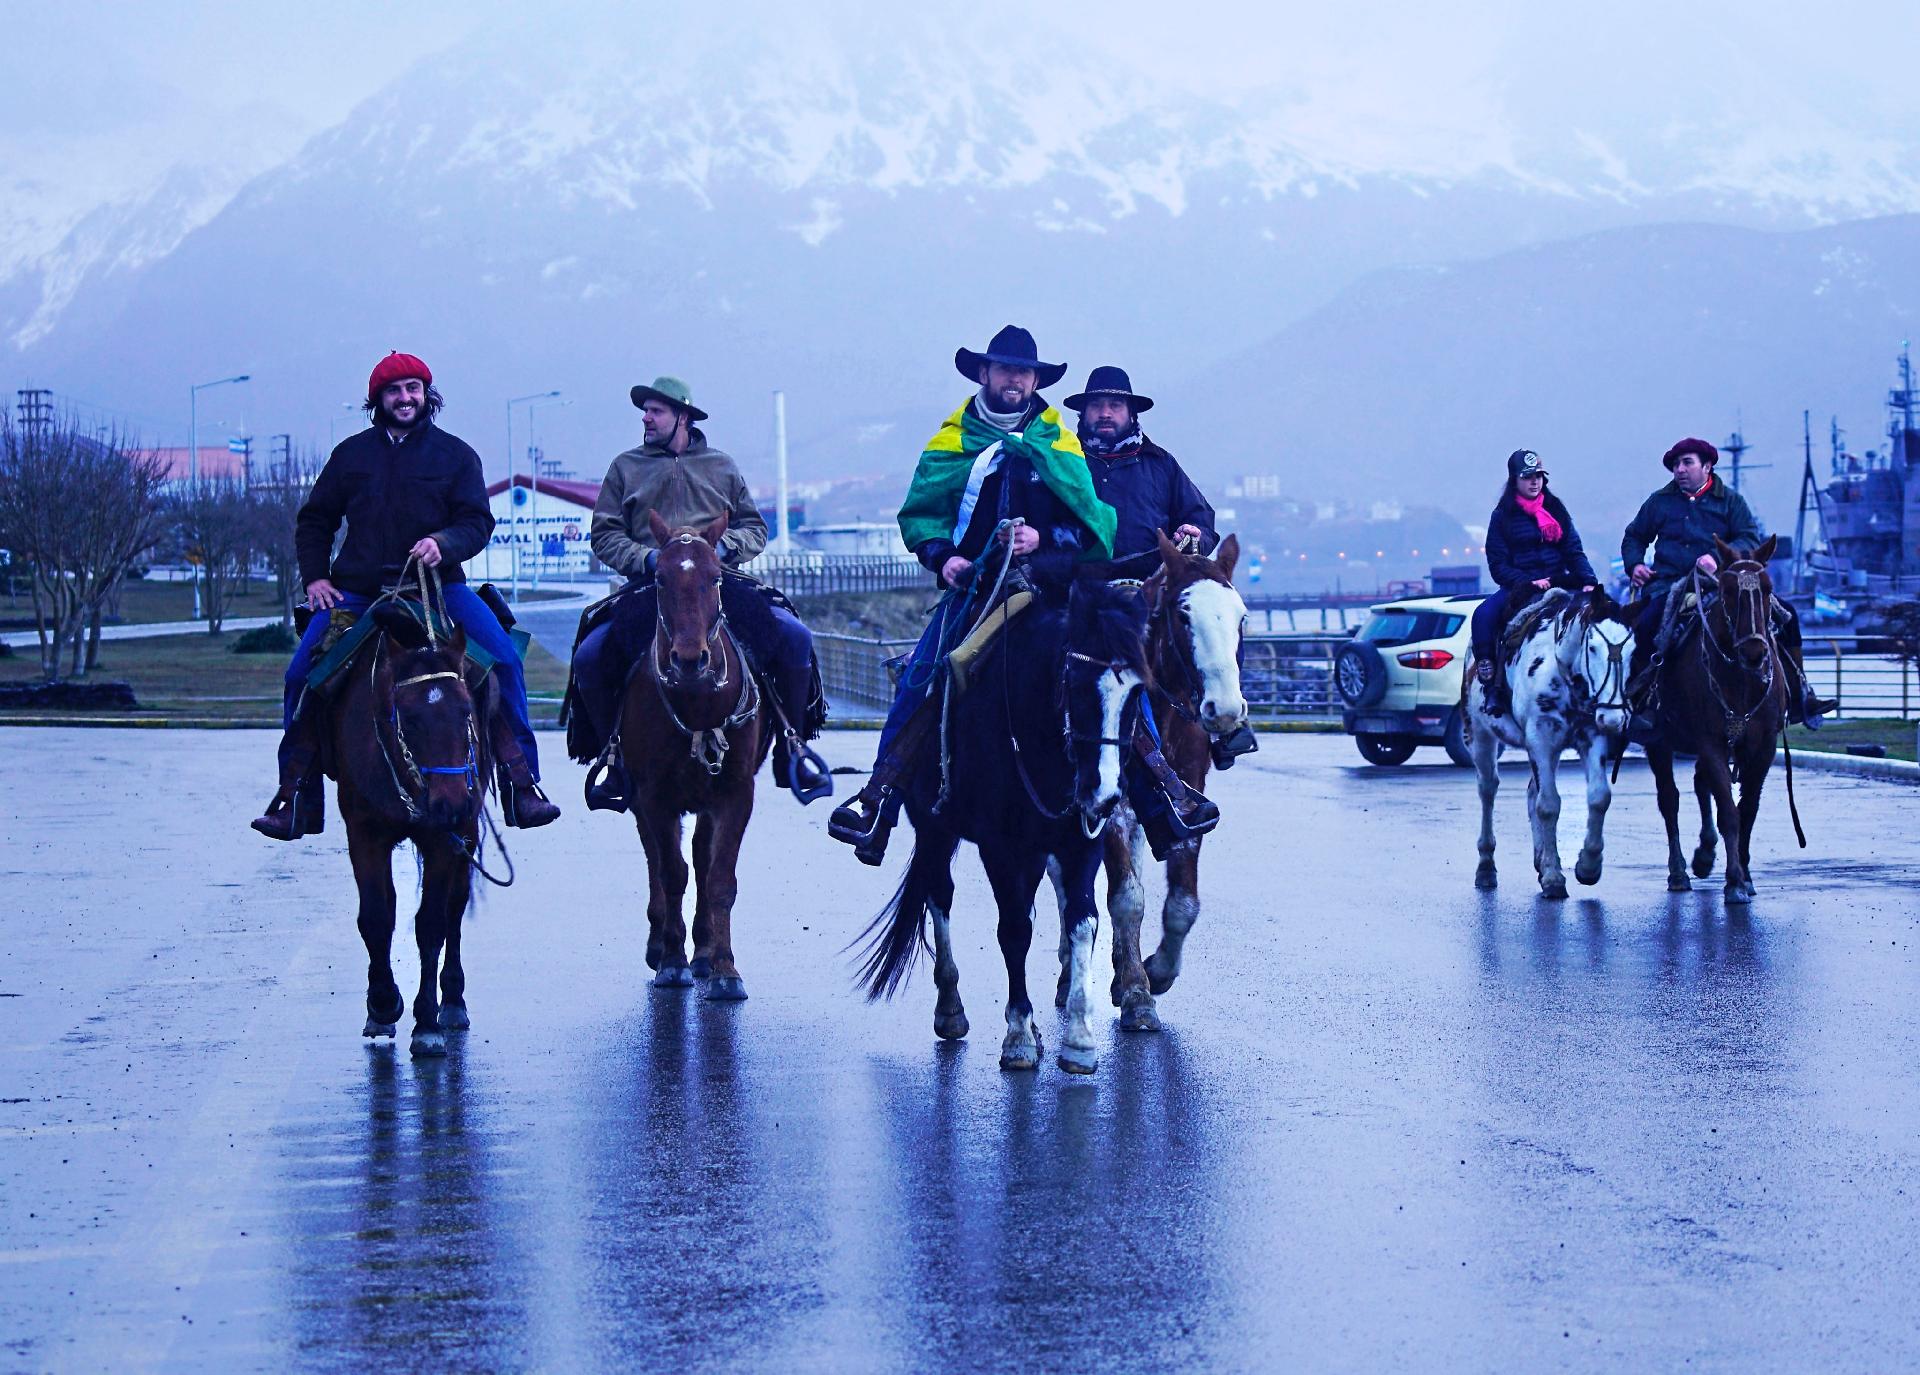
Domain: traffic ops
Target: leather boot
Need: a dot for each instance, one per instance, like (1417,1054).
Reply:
(865,821)
(299,806)
(1195,812)
(1488,675)
(1803,708)
(522,803)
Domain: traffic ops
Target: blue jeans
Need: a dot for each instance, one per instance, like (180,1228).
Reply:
(916,681)
(1486,617)
(471,615)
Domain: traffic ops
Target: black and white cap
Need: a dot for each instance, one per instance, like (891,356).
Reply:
(1525,463)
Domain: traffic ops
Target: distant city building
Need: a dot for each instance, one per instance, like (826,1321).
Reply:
(852,537)
(544,529)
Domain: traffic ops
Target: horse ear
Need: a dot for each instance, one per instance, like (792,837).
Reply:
(1170,556)
(1724,553)
(715,530)
(1764,554)
(457,645)
(661,533)
(1228,554)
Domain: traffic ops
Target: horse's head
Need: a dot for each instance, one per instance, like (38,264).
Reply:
(1104,674)
(688,579)
(1204,622)
(432,732)
(1746,599)
(1601,640)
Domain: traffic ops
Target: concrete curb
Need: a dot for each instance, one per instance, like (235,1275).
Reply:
(1820,761)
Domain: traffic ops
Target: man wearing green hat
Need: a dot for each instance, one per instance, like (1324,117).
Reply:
(676,473)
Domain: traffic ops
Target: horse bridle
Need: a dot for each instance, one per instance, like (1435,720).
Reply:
(709,745)
(417,771)
(1746,582)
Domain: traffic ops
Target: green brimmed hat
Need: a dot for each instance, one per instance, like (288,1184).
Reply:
(670,390)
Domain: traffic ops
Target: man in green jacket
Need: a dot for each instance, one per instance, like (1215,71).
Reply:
(1681,521)
(690,484)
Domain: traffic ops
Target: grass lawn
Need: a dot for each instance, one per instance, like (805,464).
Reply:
(195,676)
(144,603)
(1835,736)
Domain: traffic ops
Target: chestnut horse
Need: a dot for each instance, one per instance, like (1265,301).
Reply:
(1723,695)
(694,729)
(409,744)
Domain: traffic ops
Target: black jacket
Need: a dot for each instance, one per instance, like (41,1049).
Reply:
(1681,529)
(1517,553)
(1149,492)
(391,496)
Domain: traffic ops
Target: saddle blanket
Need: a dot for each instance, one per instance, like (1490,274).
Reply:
(349,631)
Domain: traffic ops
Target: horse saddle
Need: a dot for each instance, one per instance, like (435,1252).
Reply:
(986,631)
(348,632)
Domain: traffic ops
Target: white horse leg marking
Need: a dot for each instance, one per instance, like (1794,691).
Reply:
(949,1015)
(1021,1047)
(1126,903)
(1077,1048)
(1599,797)
(1066,947)
(1543,752)
(1486,767)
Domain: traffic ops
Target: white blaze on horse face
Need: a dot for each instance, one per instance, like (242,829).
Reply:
(1116,687)
(1215,615)
(687,565)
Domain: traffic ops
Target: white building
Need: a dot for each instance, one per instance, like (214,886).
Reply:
(541,528)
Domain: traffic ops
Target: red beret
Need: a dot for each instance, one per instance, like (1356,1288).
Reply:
(396,366)
(1706,452)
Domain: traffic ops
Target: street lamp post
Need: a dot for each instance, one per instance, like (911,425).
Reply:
(514,542)
(533,482)
(193,455)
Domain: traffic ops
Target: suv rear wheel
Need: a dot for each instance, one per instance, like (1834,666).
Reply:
(1385,750)
(1454,740)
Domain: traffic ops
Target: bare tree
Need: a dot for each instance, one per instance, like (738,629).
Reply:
(78,509)
(215,518)
(277,503)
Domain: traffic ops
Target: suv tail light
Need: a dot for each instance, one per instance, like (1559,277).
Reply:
(1427,658)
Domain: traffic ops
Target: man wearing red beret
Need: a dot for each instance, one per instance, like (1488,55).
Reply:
(1681,521)
(406,489)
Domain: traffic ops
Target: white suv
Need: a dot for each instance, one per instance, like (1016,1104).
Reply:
(1399,678)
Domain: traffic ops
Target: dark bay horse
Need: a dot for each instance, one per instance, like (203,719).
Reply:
(1196,621)
(1723,696)
(694,729)
(409,743)
(1030,772)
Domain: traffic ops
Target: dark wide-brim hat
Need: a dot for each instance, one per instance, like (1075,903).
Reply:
(1707,453)
(670,390)
(1108,380)
(1014,348)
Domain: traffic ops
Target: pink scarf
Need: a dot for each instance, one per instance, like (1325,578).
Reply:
(1550,530)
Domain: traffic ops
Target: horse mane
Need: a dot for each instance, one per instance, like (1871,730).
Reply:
(1109,622)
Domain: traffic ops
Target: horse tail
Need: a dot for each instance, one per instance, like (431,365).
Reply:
(897,935)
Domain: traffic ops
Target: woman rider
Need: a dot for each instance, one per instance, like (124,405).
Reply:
(1531,546)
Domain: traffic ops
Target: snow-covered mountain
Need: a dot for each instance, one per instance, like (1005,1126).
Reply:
(765,200)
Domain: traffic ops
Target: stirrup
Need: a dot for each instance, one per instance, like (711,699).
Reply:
(866,831)
(1229,747)
(807,776)
(608,787)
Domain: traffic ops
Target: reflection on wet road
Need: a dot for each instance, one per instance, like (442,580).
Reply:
(1393,1123)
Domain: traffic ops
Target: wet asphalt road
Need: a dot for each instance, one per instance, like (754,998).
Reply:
(1392,1123)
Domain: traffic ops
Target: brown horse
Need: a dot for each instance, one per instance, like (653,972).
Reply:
(694,730)
(409,744)
(1722,695)
(1196,622)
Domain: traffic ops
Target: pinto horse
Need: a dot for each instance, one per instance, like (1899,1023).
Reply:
(1029,771)
(409,743)
(694,729)
(1723,695)
(1569,686)
(1196,622)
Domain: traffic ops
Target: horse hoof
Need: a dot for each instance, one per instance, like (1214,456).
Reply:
(1557,890)
(1141,1016)
(673,976)
(1017,1060)
(377,1028)
(1486,878)
(1078,1059)
(1159,977)
(453,1017)
(1588,874)
(950,1026)
(702,967)
(1702,863)
(1737,895)
(726,988)
(428,1045)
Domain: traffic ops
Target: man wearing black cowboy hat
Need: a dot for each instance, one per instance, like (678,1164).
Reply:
(676,473)
(1142,482)
(1681,521)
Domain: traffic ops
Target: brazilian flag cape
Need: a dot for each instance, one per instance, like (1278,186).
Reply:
(940,480)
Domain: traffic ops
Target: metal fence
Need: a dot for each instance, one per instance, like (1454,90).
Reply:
(1861,674)
(815,575)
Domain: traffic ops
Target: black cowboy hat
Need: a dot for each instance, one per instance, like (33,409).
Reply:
(1108,380)
(672,391)
(1014,347)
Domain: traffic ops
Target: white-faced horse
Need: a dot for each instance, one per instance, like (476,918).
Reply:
(1569,686)
(1194,632)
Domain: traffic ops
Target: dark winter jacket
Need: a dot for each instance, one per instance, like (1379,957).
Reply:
(1682,528)
(392,496)
(1015,488)
(1518,553)
(1149,492)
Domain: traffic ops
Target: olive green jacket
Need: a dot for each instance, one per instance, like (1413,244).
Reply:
(688,489)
